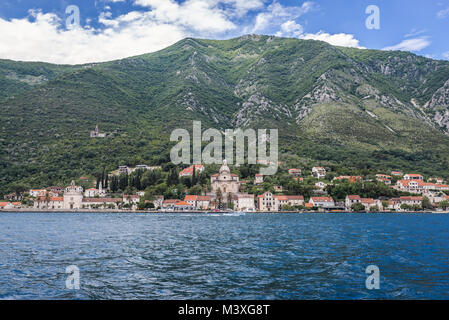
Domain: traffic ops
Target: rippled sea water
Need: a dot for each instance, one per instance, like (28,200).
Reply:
(200,256)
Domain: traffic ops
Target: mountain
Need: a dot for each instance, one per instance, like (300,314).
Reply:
(349,109)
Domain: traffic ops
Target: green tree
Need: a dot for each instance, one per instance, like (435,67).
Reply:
(426,204)
(19,189)
(444,204)
(357,207)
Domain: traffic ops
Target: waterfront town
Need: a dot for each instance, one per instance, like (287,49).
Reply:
(225,190)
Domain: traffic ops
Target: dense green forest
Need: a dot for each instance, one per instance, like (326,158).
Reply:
(353,111)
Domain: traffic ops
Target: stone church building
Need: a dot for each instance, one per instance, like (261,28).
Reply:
(225,181)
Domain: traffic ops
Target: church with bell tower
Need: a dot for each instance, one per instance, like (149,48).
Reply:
(225,181)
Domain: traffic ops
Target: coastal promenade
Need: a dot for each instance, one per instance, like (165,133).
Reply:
(31,210)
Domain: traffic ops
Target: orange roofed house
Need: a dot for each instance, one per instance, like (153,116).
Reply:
(198,202)
(188,172)
(49,203)
(396,203)
(176,205)
(267,202)
(322,202)
(413,176)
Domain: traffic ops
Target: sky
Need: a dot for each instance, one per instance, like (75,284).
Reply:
(85,31)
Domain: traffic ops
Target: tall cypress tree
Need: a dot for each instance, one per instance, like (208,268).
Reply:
(194,175)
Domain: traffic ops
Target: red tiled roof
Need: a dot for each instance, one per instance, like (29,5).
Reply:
(411,198)
(354,197)
(190,198)
(189,170)
(182,203)
(203,198)
(102,200)
(171,201)
(322,199)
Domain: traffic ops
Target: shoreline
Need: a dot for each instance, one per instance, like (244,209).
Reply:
(199,212)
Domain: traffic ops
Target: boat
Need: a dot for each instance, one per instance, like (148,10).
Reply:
(233,213)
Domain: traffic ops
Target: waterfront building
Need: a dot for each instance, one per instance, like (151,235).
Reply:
(292,201)
(395,203)
(93,192)
(183,206)
(243,201)
(322,202)
(6,205)
(101,203)
(370,203)
(169,204)
(157,202)
(267,202)
(132,199)
(73,196)
(199,202)
(49,203)
(225,181)
(352,199)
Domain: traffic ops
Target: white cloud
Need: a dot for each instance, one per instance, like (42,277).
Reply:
(446,55)
(290,29)
(283,18)
(338,39)
(198,15)
(44,40)
(153,25)
(276,15)
(443,13)
(415,32)
(416,44)
(41,36)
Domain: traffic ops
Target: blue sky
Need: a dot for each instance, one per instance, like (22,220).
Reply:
(37,30)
